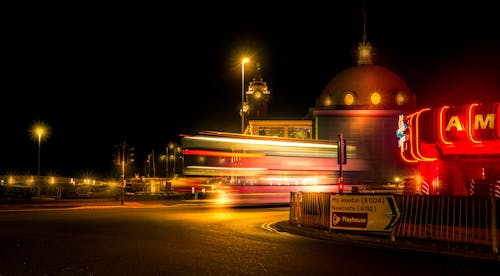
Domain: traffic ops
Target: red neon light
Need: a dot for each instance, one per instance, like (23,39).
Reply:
(417,131)
(472,129)
(441,127)
(411,138)
(401,152)
(469,127)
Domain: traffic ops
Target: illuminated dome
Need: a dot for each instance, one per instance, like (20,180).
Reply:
(366,86)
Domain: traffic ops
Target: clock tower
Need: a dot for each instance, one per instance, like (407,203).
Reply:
(257,96)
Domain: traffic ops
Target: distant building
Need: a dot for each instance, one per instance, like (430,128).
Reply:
(257,96)
(363,103)
(259,123)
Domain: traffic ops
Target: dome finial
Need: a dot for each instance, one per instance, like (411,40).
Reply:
(364,47)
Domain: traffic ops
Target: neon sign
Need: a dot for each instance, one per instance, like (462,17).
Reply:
(473,123)
(467,129)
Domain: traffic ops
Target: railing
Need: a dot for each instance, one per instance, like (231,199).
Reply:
(460,219)
(450,219)
(310,209)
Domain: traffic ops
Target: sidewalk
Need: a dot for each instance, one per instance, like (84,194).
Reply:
(47,203)
(378,241)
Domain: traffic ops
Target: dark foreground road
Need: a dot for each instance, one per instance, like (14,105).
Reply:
(189,238)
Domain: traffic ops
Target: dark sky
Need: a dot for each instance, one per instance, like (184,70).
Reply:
(140,73)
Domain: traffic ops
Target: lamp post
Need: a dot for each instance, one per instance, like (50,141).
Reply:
(170,146)
(243,61)
(39,133)
(176,150)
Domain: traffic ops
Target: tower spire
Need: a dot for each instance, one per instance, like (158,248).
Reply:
(364,47)
(364,21)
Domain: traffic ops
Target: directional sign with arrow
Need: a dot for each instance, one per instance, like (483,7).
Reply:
(363,212)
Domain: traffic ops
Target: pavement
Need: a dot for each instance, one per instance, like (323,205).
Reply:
(48,203)
(377,240)
(358,238)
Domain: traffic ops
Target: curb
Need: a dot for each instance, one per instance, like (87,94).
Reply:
(406,245)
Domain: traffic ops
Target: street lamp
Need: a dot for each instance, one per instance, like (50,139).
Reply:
(39,130)
(243,61)
(170,146)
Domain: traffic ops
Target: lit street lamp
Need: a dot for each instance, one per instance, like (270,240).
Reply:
(243,61)
(170,146)
(39,130)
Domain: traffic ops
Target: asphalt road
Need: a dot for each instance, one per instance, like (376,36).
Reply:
(191,239)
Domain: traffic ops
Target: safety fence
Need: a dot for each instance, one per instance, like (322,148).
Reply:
(449,219)
(461,219)
(310,209)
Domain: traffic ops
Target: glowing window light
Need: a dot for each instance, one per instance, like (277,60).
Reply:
(328,101)
(348,99)
(400,98)
(375,98)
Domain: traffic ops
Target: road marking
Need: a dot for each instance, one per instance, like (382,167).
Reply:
(267,226)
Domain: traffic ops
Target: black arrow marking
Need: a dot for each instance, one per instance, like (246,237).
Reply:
(394,213)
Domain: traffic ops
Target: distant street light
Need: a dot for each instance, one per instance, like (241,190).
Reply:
(39,130)
(170,146)
(243,61)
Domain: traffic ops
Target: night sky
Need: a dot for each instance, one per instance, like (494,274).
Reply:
(101,75)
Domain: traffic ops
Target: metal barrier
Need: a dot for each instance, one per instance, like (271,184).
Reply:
(457,219)
(460,219)
(310,209)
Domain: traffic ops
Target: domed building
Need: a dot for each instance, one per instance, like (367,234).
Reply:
(366,86)
(363,103)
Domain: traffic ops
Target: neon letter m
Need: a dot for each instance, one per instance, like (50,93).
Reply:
(484,122)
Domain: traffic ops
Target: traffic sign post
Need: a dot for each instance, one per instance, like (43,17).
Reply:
(341,160)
